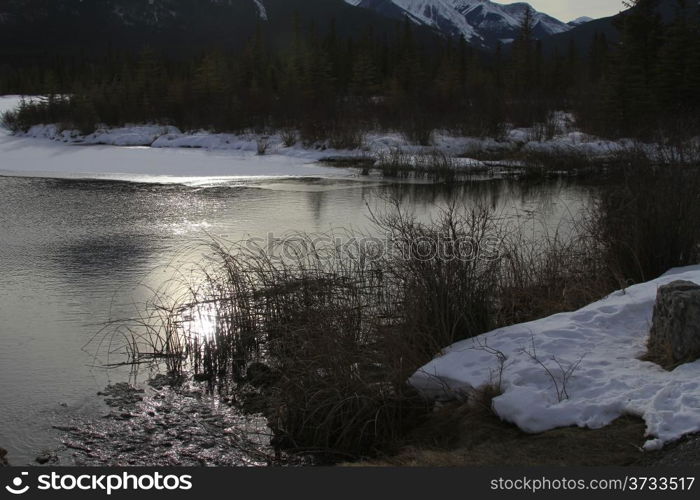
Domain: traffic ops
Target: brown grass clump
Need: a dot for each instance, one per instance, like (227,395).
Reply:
(471,434)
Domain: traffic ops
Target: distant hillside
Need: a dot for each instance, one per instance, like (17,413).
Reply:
(34,29)
(481,22)
(583,34)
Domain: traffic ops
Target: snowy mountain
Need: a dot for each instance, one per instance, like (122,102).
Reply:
(582,34)
(187,26)
(481,22)
(579,21)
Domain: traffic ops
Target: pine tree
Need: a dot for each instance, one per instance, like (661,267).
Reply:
(629,103)
(524,55)
(673,86)
(598,57)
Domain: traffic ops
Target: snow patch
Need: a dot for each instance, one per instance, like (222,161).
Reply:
(580,20)
(473,19)
(262,12)
(601,345)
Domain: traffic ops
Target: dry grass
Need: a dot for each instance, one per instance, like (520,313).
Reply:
(339,330)
(618,444)
(433,165)
(470,434)
(646,220)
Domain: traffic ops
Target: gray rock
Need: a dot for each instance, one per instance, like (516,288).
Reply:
(44,458)
(675,330)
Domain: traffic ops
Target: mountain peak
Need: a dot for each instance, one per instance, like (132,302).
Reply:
(580,20)
(480,22)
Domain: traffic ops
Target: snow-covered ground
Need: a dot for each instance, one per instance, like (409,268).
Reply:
(374,143)
(47,157)
(599,346)
(157,151)
(285,159)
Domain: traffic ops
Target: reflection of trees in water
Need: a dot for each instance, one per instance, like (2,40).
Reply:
(317,204)
(541,196)
(104,256)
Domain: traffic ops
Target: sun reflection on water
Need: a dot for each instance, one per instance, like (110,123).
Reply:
(201,323)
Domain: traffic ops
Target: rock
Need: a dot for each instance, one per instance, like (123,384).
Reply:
(44,458)
(675,330)
(3,460)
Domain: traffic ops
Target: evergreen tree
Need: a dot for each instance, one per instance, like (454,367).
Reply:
(673,80)
(630,102)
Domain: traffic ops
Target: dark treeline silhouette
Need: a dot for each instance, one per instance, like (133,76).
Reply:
(331,88)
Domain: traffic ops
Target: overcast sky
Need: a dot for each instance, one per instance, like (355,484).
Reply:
(567,10)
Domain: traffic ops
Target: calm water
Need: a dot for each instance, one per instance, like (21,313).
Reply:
(75,253)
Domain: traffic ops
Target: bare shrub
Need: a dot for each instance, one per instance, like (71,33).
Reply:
(558,270)
(346,136)
(262,142)
(434,165)
(560,373)
(448,271)
(10,121)
(418,129)
(313,132)
(647,219)
(289,137)
(545,130)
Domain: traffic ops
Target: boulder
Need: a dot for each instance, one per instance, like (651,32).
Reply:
(675,330)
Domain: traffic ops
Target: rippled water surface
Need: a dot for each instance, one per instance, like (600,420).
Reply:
(76,253)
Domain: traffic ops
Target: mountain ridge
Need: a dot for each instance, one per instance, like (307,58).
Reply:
(34,29)
(481,22)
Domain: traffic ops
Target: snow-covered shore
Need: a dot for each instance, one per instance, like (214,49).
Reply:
(156,153)
(600,346)
(156,136)
(31,155)
(567,140)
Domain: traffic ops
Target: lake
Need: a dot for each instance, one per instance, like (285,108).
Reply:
(75,253)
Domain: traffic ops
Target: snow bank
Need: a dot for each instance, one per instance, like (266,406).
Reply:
(9,102)
(375,144)
(580,143)
(47,151)
(600,345)
(566,140)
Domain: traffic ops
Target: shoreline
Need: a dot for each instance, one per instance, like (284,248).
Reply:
(171,426)
(163,424)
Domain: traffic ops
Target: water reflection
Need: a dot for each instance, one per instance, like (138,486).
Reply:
(103,255)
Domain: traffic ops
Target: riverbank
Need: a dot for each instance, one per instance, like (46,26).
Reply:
(374,144)
(165,423)
(178,426)
(560,147)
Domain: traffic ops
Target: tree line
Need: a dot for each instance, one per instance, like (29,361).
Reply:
(324,87)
